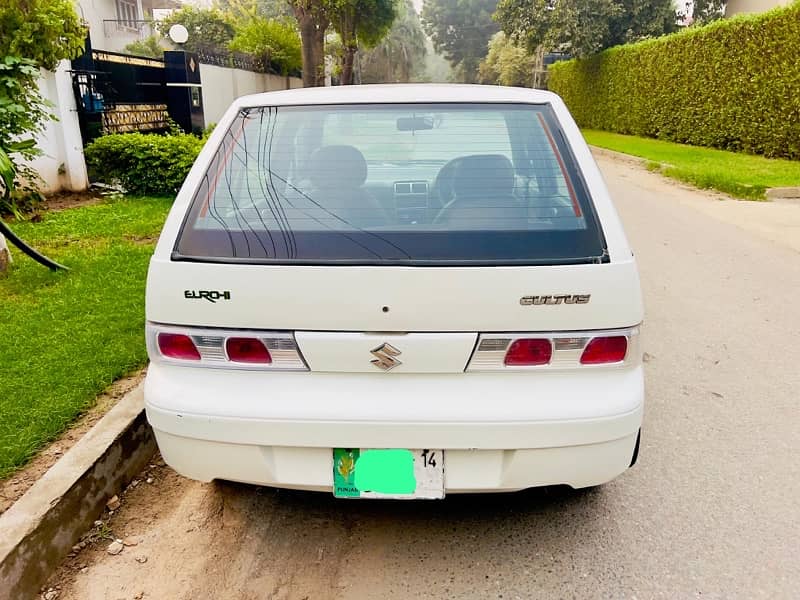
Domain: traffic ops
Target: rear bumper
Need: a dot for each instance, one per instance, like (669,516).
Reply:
(501,432)
(465,470)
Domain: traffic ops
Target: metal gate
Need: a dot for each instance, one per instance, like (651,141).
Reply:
(118,93)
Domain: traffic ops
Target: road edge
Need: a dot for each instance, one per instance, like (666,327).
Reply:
(778,194)
(40,528)
(619,156)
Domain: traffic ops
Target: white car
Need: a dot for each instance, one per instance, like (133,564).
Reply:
(395,291)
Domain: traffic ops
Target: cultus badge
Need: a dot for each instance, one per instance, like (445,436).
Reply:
(555,299)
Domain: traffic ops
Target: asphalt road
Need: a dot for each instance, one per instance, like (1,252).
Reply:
(710,511)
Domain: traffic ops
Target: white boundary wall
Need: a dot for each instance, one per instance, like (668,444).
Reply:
(61,165)
(221,86)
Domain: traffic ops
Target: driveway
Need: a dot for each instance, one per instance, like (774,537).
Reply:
(711,510)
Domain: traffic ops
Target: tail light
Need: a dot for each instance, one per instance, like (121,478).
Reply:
(178,346)
(605,350)
(528,352)
(220,348)
(247,350)
(557,350)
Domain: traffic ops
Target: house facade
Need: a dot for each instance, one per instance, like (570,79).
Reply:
(113,24)
(736,7)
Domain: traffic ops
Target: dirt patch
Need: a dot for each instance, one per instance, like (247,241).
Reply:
(149,497)
(12,488)
(64,200)
(176,538)
(141,240)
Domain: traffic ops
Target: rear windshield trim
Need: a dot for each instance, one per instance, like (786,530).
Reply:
(562,146)
(587,260)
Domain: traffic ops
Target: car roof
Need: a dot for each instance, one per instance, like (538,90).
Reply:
(401,93)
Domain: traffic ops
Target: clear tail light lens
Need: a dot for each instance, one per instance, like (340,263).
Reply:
(177,345)
(247,350)
(605,350)
(528,352)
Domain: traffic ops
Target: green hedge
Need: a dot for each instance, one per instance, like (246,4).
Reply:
(734,84)
(144,164)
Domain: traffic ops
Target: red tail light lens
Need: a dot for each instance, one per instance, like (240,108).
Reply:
(177,345)
(247,350)
(603,350)
(529,352)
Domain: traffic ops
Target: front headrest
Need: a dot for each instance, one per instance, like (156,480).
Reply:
(482,175)
(337,166)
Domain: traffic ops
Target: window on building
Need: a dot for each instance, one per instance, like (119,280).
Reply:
(127,13)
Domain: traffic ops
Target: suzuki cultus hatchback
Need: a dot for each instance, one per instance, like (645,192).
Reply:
(395,291)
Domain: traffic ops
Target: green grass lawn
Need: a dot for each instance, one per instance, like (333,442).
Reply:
(740,175)
(66,336)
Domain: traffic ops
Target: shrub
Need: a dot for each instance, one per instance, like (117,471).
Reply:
(734,84)
(149,47)
(144,164)
(23,113)
(268,37)
(506,63)
(207,27)
(34,34)
(43,31)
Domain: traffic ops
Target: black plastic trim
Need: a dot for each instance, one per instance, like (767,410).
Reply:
(522,262)
(636,449)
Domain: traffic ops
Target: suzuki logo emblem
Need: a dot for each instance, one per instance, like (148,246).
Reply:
(385,357)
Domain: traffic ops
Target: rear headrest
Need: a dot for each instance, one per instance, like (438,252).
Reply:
(481,175)
(337,167)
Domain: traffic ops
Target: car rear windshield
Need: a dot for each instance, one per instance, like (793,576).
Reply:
(411,184)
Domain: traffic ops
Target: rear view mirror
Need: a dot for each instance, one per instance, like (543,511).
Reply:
(414,123)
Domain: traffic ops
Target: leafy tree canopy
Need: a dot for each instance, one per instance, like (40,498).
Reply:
(400,56)
(506,63)
(23,113)
(208,27)
(34,34)
(460,30)
(44,31)
(270,9)
(583,27)
(363,22)
(261,36)
(150,47)
(705,11)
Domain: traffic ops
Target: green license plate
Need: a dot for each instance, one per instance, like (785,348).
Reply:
(388,473)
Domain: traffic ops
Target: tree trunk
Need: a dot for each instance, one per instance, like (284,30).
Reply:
(318,45)
(347,64)
(5,255)
(312,38)
(469,67)
(539,70)
(308,30)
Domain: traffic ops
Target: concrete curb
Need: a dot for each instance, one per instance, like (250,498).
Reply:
(39,530)
(784,194)
(626,158)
